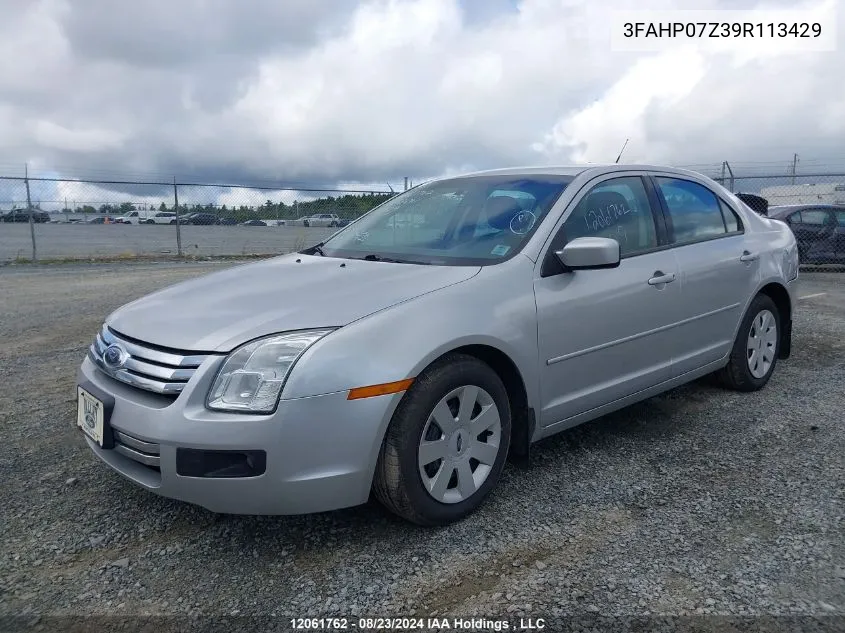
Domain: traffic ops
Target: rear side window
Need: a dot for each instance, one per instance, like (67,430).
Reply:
(840,218)
(618,209)
(816,217)
(694,210)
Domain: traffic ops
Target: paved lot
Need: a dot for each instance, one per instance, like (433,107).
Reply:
(697,501)
(77,241)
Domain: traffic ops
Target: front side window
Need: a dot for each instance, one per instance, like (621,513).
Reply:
(473,220)
(694,211)
(618,209)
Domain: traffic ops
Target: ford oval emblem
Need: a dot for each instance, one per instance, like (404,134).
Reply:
(114,356)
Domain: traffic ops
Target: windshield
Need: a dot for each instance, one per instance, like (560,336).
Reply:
(473,220)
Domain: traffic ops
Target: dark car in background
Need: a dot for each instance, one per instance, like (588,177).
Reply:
(202,218)
(756,203)
(102,219)
(253,223)
(819,230)
(22,215)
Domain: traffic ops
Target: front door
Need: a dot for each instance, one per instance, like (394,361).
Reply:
(606,334)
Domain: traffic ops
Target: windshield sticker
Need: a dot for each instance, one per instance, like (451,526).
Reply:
(500,249)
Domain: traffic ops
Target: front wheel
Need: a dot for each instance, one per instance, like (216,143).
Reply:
(446,444)
(756,348)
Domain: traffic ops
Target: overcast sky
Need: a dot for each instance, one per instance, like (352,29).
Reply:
(339,91)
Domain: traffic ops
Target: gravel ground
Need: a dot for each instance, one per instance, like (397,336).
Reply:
(79,241)
(699,501)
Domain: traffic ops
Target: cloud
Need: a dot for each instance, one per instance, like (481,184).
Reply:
(322,92)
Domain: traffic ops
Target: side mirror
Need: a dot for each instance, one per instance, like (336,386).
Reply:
(589,253)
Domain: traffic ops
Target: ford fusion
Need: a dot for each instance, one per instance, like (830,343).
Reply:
(453,325)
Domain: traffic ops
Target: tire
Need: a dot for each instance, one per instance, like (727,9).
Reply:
(738,373)
(332,224)
(398,483)
(306,223)
(149,222)
(173,221)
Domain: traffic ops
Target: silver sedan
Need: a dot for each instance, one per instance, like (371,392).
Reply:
(454,325)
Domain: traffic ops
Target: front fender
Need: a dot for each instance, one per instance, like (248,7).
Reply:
(494,308)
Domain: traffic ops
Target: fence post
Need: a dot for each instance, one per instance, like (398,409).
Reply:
(29,209)
(178,228)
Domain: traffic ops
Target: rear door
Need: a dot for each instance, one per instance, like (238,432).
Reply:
(606,334)
(717,271)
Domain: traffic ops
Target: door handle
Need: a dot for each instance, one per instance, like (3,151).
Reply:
(748,257)
(659,278)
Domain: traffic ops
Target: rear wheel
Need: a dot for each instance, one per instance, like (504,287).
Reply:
(446,444)
(149,222)
(755,351)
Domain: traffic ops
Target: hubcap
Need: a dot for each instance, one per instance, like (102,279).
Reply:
(459,444)
(762,341)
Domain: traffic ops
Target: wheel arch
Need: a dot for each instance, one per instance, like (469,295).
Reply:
(780,295)
(523,420)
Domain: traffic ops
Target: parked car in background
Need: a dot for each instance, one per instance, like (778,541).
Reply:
(756,203)
(228,221)
(101,219)
(322,219)
(253,223)
(201,218)
(819,230)
(304,382)
(22,215)
(162,217)
(135,217)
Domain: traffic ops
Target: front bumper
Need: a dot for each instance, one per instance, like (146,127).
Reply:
(321,451)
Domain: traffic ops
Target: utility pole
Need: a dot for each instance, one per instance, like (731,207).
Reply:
(794,166)
(29,208)
(406,183)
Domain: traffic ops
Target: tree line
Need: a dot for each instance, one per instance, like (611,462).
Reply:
(345,206)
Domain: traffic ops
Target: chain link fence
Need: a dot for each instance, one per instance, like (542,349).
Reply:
(55,219)
(813,205)
(52,219)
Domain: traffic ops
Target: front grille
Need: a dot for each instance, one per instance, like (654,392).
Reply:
(143,366)
(146,453)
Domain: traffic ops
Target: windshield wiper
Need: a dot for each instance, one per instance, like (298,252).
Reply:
(317,249)
(372,257)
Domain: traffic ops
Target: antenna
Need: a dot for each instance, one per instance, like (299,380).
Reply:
(391,188)
(622,150)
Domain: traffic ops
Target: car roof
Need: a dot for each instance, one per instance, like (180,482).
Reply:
(576,170)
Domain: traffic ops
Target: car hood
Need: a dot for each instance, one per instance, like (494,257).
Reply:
(219,311)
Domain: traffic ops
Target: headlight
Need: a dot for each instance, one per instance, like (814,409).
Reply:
(252,376)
